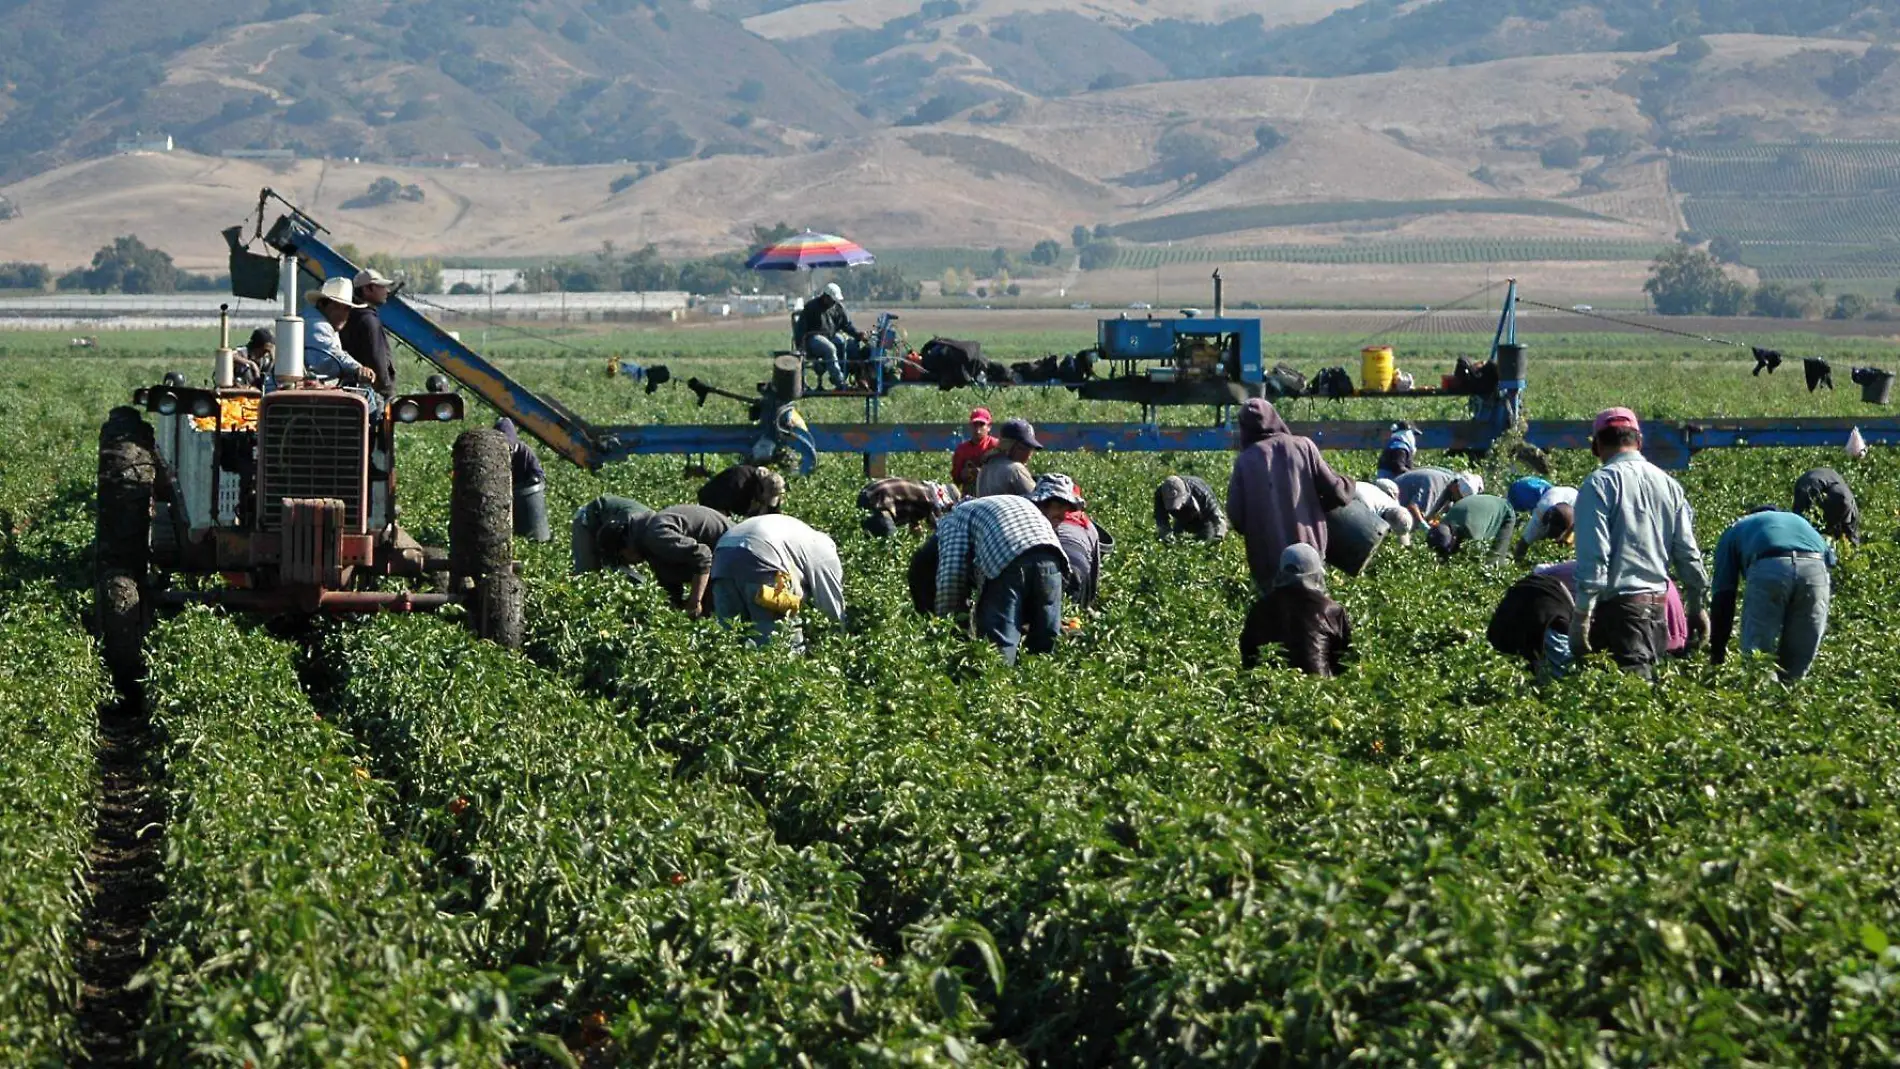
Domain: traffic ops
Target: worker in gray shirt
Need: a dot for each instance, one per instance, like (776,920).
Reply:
(1427,492)
(1633,523)
(765,570)
(677,543)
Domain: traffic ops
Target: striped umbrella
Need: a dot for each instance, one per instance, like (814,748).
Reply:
(810,251)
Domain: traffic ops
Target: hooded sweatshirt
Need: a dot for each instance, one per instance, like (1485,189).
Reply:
(1299,616)
(522,463)
(1280,490)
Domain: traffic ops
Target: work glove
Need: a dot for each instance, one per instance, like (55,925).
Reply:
(1579,635)
(1698,629)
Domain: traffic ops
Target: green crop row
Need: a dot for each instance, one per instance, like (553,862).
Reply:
(1820,168)
(670,926)
(51,685)
(1848,221)
(1420,251)
(1186,226)
(294,930)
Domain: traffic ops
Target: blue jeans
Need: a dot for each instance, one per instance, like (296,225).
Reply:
(831,353)
(1785,611)
(1023,606)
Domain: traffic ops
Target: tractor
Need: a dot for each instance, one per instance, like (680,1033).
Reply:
(284,501)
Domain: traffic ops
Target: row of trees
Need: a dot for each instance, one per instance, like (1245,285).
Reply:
(1690,281)
(127,265)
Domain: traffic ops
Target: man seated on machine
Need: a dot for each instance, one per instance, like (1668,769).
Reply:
(323,355)
(825,331)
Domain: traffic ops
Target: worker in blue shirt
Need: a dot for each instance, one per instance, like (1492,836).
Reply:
(1785,562)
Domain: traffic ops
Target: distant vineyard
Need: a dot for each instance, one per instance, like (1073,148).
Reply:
(1822,168)
(1868,220)
(1185,226)
(1421,251)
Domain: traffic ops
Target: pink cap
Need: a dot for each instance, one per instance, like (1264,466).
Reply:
(1616,417)
(979,415)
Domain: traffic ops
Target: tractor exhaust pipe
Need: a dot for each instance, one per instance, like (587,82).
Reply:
(224,367)
(289,326)
(1220,304)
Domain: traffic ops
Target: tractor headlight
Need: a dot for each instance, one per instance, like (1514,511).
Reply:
(203,406)
(408,411)
(167,403)
(445,410)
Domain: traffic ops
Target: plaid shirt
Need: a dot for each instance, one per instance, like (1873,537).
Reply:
(986,535)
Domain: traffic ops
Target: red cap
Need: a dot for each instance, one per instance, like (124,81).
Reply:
(1616,417)
(979,415)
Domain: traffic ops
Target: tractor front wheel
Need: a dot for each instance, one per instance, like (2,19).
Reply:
(122,541)
(481,537)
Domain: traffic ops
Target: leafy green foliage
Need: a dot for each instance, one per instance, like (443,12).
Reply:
(1686,281)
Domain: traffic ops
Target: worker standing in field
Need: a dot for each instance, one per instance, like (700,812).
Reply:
(1822,493)
(1382,497)
(744,490)
(1083,540)
(677,543)
(530,485)
(1185,505)
(1633,523)
(1298,614)
(599,529)
(1006,544)
(1482,518)
(1785,562)
(967,459)
(1005,467)
(1280,491)
(767,569)
(324,359)
(362,335)
(892,503)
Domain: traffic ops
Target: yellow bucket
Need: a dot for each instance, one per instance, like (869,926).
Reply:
(1376,369)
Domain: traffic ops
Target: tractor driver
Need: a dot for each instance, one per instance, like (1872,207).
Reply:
(825,330)
(324,358)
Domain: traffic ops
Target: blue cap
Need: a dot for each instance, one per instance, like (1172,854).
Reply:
(1524,493)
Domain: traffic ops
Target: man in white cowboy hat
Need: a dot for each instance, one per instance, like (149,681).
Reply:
(323,355)
(362,335)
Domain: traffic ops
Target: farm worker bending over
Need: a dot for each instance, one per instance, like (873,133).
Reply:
(1822,492)
(1382,497)
(891,503)
(362,335)
(744,490)
(592,544)
(1675,617)
(677,543)
(968,456)
(1008,545)
(323,357)
(1553,518)
(1280,491)
(1533,618)
(1005,468)
(1084,542)
(1427,492)
(530,482)
(1785,562)
(828,336)
(1298,614)
(1483,518)
(769,568)
(1401,449)
(1185,505)
(1633,522)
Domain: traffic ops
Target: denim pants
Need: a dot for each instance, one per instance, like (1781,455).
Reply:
(831,353)
(1023,606)
(1785,611)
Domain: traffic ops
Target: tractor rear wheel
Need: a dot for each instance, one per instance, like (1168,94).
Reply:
(122,541)
(482,537)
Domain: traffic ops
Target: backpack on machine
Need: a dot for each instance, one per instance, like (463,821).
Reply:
(951,363)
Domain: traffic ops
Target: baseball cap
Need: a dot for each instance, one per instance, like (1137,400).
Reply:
(260,337)
(979,415)
(1019,430)
(369,276)
(1443,540)
(1470,483)
(1057,488)
(1615,417)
